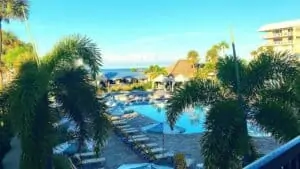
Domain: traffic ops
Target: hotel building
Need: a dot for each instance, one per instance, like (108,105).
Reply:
(282,36)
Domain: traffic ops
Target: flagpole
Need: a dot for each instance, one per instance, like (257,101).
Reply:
(238,81)
(30,36)
(238,86)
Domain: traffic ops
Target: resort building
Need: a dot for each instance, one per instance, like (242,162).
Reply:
(182,67)
(283,36)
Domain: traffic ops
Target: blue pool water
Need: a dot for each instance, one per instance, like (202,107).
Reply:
(193,122)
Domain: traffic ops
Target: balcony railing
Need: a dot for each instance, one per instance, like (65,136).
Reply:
(285,157)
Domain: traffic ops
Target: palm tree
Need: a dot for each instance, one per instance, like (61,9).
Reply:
(155,70)
(223,45)
(268,100)
(58,76)
(193,56)
(11,9)
(262,49)
(212,54)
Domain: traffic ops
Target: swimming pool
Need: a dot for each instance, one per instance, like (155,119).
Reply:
(193,122)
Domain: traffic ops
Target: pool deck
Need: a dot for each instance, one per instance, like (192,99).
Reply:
(117,153)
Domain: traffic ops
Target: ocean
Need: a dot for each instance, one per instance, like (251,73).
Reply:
(122,72)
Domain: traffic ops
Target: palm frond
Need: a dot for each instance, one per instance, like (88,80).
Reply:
(270,66)
(195,92)
(281,91)
(20,9)
(14,9)
(279,118)
(72,87)
(73,48)
(227,72)
(28,108)
(226,139)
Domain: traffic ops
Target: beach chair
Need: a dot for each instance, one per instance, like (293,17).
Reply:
(86,155)
(123,126)
(157,150)
(150,145)
(162,155)
(141,139)
(93,160)
(130,131)
(119,122)
(138,136)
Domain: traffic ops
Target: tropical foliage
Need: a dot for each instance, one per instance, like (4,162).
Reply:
(223,45)
(179,160)
(208,69)
(133,69)
(154,71)
(10,9)
(262,49)
(26,99)
(268,99)
(193,56)
(130,87)
(15,52)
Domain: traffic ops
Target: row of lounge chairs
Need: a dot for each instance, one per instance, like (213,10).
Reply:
(87,160)
(139,142)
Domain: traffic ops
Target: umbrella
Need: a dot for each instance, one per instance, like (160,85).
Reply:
(143,166)
(163,128)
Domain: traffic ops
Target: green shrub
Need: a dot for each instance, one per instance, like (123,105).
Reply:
(129,87)
(179,160)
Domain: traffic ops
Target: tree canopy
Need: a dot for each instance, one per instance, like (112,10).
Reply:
(27,99)
(269,98)
(155,70)
(193,56)
(262,49)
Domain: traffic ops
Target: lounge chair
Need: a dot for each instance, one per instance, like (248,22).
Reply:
(120,122)
(157,150)
(132,130)
(149,145)
(123,126)
(93,160)
(85,154)
(141,139)
(138,136)
(161,155)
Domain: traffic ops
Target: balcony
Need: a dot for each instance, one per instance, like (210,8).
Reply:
(285,157)
(277,35)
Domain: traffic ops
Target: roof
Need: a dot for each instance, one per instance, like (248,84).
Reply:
(183,67)
(279,25)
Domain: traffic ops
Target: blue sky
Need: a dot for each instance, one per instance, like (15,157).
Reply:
(136,33)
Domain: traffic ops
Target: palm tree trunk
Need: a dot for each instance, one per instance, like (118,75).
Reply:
(1,71)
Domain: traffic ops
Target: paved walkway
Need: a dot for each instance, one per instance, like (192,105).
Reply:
(12,158)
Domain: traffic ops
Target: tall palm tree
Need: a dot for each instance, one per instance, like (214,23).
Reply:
(58,76)
(212,54)
(268,100)
(155,70)
(193,56)
(11,9)
(223,45)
